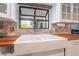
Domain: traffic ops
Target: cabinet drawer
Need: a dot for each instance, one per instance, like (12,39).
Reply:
(57,52)
(72,50)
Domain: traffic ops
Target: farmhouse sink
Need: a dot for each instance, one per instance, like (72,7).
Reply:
(28,44)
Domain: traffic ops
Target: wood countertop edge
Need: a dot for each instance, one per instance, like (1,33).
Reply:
(69,37)
(8,42)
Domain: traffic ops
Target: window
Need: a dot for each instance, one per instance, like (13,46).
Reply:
(33,18)
(66,10)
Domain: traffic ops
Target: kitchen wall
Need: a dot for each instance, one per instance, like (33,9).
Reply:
(31,31)
(61,28)
(55,12)
(75,26)
(64,29)
(13,11)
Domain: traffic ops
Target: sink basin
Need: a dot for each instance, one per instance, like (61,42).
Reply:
(37,38)
(49,37)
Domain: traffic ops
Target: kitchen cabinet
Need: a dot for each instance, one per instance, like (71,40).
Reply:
(4,9)
(6,50)
(65,12)
(8,10)
(73,48)
(76,11)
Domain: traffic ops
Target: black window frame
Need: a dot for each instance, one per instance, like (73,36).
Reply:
(34,20)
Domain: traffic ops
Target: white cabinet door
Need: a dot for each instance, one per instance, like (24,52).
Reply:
(72,50)
(59,52)
(5,9)
(75,11)
(66,11)
(8,10)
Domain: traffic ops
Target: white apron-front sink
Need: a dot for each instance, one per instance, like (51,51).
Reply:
(28,44)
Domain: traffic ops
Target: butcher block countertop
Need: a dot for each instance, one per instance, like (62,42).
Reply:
(7,40)
(10,39)
(69,36)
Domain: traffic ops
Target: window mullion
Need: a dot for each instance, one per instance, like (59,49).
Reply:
(34,19)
